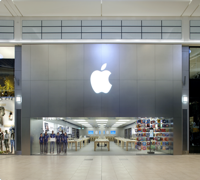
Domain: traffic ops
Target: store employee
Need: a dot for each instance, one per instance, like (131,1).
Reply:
(52,142)
(41,141)
(46,138)
(58,142)
(65,139)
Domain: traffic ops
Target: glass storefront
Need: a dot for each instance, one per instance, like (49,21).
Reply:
(101,136)
(7,107)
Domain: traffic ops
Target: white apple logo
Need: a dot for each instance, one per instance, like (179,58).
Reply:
(100,80)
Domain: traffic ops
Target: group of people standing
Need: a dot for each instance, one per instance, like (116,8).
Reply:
(59,139)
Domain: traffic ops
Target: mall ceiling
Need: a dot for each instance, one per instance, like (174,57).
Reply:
(98,8)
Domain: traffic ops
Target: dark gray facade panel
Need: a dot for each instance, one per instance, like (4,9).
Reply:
(185,129)
(57,82)
(18,129)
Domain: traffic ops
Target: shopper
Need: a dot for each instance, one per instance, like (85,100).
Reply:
(52,142)
(46,138)
(41,142)
(6,138)
(58,143)
(65,139)
(61,142)
(1,139)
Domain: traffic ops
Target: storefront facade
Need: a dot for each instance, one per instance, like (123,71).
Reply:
(146,81)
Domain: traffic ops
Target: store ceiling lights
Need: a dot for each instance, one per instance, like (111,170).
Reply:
(120,122)
(123,120)
(101,120)
(79,120)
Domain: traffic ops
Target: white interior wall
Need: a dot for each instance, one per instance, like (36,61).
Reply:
(119,131)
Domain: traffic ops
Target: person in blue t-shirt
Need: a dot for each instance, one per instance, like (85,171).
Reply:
(46,138)
(52,142)
(64,140)
(41,141)
(61,142)
(58,143)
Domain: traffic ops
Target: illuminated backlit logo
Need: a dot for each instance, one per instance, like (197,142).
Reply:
(100,80)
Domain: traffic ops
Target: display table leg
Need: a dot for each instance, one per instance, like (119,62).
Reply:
(127,146)
(108,146)
(76,145)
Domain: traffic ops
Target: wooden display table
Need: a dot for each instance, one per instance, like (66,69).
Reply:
(106,141)
(70,142)
(127,141)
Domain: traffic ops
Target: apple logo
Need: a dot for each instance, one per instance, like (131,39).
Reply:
(100,80)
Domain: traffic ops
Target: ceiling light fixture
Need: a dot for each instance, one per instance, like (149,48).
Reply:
(79,120)
(120,122)
(101,120)
(123,120)
(101,124)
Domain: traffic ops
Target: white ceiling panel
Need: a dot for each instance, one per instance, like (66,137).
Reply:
(59,8)
(196,12)
(191,8)
(3,10)
(143,8)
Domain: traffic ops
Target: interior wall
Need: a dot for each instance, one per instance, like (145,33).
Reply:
(146,82)
(119,131)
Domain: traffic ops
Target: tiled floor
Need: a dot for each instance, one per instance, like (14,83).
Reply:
(158,167)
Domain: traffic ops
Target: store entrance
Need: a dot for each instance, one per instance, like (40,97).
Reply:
(95,136)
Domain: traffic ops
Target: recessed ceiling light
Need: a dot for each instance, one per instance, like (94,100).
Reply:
(79,120)
(101,124)
(123,120)
(83,122)
(120,122)
(101,120)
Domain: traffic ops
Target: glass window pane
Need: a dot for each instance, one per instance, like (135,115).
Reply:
(151,23)
(172,23)
(71,23)
(71,29)
(195,29)
(111,35)
(51,35)
(194,23)
(91,36)
(6,23)
(91,29)
(131,29)
(151,29)
(171,29)
(91,23)
(31,29)
(171,36)
(6,36)
(111,29)
(31,23)
(151,35)
(31,36)
(6,29)
(131,35)
(195,63)
(71,36)
(131,23)
(111,23)
(51,29)
(195,36)
(51,23)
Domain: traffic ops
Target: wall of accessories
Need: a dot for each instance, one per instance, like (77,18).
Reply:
(163,135)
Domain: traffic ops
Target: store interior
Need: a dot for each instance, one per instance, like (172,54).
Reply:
(7,100)
(92,136)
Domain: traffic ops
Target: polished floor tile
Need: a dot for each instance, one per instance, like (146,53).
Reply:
(157,167)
